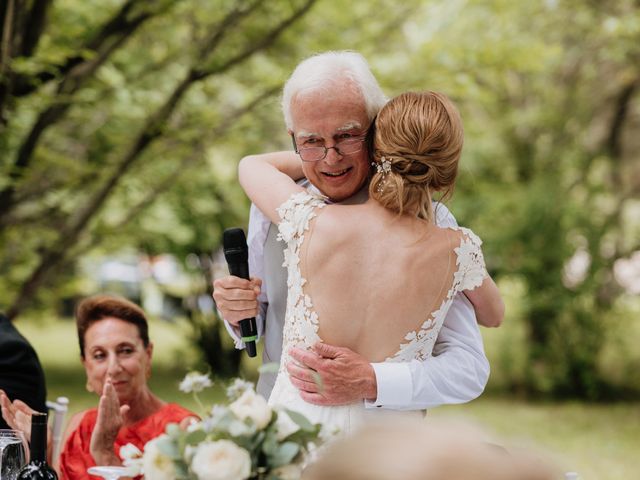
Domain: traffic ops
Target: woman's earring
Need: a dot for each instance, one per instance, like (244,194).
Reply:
(88,387)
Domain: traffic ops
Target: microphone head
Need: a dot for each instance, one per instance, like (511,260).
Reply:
(234,245)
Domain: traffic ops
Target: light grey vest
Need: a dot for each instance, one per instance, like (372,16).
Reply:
(275,277)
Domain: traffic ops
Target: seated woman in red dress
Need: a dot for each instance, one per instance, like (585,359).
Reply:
(116,353)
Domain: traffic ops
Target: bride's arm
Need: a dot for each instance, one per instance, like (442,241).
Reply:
(268,180)
(487,303)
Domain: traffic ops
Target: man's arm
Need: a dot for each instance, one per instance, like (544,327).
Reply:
(457,372)
(21,375)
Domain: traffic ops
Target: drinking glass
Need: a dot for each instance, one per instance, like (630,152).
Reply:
(13,453)
(109,472)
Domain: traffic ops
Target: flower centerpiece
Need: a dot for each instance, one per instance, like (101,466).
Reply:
(243,439)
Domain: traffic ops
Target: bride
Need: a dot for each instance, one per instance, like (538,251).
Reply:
(356,273)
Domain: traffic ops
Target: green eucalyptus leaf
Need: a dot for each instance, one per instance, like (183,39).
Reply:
(271,367)
(167,446)
(195,437)
(283,454)
(301,420)
(174,430)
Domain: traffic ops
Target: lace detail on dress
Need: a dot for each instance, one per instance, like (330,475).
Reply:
(471,270)
(301,325)
(470,273)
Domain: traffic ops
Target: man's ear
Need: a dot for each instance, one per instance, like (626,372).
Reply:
(370,137)
(293,141)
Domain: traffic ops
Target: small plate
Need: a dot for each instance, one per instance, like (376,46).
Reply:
(110,472)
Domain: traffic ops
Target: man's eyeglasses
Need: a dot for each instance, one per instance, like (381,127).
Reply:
(348,146)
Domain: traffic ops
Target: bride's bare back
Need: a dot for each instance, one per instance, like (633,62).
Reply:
(374,276)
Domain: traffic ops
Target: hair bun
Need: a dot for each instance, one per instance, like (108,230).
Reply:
(420,136)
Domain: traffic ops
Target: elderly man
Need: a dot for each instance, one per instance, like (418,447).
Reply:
(341,99)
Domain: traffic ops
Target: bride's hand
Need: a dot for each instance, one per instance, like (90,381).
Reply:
(331,375)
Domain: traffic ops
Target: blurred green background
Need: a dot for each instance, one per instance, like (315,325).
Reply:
(121,124)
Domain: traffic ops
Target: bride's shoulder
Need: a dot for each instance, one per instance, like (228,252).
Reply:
(302,199)
(463,234)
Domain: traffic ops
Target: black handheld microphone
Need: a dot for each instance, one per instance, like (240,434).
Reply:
(234,244)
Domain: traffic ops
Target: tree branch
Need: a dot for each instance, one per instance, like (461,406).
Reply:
(266,41)
(8,14)
(33,28)
(123,23)
(53,256)
(230,20)
(613,143)
(170,179)
(113,35)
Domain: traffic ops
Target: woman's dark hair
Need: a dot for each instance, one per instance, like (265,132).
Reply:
(94,309)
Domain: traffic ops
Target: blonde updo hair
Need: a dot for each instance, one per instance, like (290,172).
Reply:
(420,136)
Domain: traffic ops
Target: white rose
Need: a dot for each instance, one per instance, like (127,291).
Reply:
(221,460)
(285,426)
(131,458)
(155,464)
(253,406)
(195,425)
(288,472)
(238,387)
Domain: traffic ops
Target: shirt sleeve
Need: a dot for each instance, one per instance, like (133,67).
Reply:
(256,238)
(457,372)
(443,216)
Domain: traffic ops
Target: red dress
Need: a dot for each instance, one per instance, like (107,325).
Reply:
(76,457)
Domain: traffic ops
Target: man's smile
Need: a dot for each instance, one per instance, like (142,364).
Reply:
(339,173)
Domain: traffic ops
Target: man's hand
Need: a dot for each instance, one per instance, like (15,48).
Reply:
(110,420)
(236,298)
(17,414)
(331,375)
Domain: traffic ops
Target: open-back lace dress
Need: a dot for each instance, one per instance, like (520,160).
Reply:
(302,323)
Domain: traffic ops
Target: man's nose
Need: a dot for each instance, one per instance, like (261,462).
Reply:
(333,155)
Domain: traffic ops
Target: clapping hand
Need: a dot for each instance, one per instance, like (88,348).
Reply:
(110,419)
(17,414)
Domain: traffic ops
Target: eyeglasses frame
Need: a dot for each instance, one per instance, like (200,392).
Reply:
(363,139)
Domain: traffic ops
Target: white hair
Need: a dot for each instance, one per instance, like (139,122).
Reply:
(333,71)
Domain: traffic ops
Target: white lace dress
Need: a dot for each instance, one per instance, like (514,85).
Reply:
(301,322)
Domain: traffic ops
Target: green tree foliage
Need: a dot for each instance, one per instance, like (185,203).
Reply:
(549,93)
(88,98)
(105,107)
(121,123)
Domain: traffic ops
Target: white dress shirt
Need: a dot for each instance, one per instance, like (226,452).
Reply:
(456,373)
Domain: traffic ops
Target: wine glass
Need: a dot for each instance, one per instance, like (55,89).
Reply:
(109,472)
(13,453)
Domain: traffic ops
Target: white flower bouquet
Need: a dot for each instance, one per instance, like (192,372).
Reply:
(245,439)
